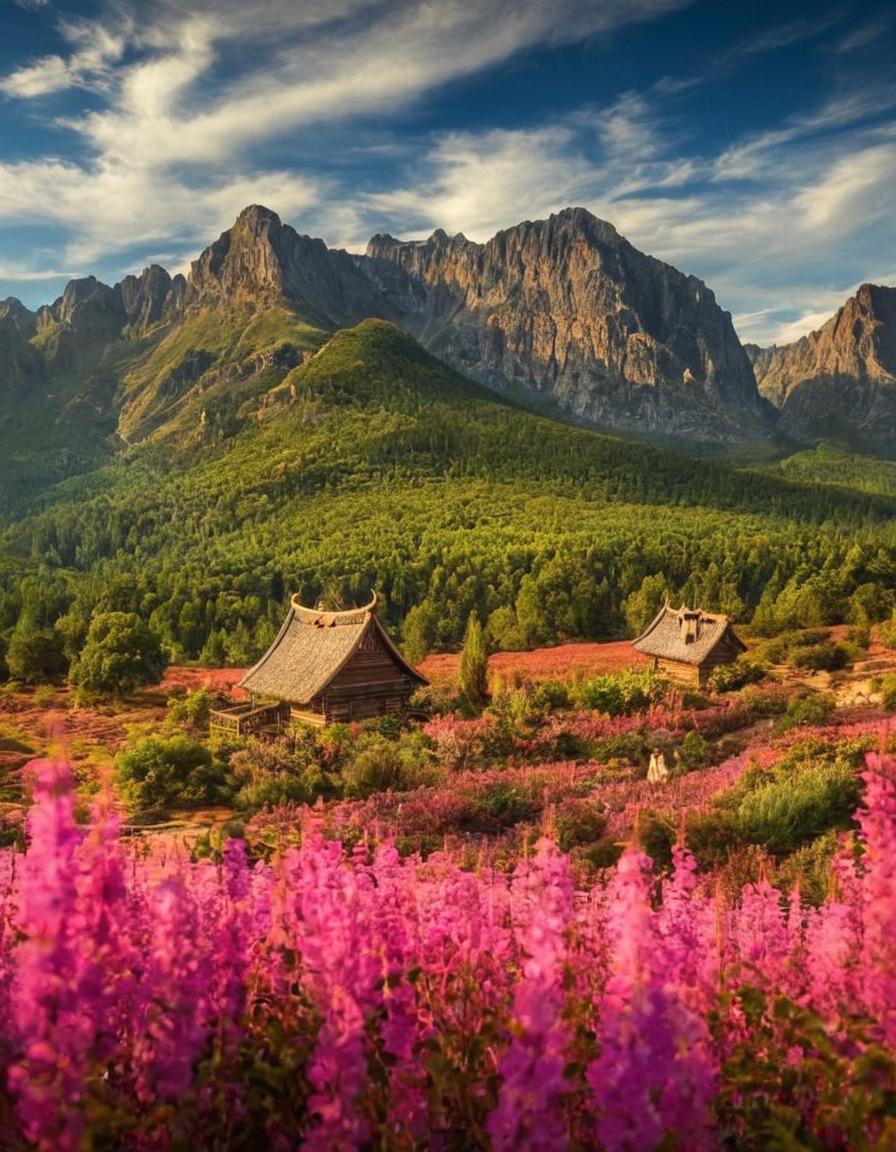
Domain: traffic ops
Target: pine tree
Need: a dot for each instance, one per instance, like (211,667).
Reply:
(473,674)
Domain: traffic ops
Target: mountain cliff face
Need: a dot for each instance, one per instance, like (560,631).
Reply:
(562,312)
(839,382)
(567,310)
(21,365)
(260,261)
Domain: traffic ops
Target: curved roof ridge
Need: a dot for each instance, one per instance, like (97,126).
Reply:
(325,619)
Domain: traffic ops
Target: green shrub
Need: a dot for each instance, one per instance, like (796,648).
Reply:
(656,834)
(740,673)
(888,692)
(498,807)
(693,752)
(790,811)
(810,866)
(711,838)
(191,711)
(549,696)
(619,695)
(159,772)
(824,657)
(804,711)
(272,772)
(577,821)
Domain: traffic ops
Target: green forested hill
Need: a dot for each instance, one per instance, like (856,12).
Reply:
(372,465)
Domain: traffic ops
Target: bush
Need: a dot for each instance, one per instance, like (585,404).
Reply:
(740,673)
(693,752)
(824,657)
(121,654)
(36,657)
(791,811)
(191,711)
(549,696)
(156,772)
(285,771)
(577,821)
(620,695)
(888,692)
(805,711)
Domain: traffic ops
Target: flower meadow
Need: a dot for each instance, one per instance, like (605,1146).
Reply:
(333,999)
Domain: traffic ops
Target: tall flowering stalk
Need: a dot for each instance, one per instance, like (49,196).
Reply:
(340,974)
(877,820)
(73,963)
(655,1076)
(531,1097)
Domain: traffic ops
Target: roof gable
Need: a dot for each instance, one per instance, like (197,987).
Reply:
(312,648)
(688,635)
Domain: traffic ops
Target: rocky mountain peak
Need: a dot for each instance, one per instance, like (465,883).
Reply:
(838,382)
(567,310)
(260,260)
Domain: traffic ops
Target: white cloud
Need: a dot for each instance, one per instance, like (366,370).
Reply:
(52,74)
(187,94)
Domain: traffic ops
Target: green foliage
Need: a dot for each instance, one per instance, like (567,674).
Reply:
(732,677)
(578,821)
(373,465)
(473,671)
(888,692)
(814,788)
(380,763)
(191,711)
(693,752)
(639,608)
(805,711)
(164,772)
(619,694)
(36,656)
(821,657)
(285,771)
(810,866)
(121,654)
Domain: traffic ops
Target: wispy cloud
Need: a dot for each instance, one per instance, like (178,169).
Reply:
(187,101)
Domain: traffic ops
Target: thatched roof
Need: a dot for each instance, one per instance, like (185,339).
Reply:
(311,649)
(688,635)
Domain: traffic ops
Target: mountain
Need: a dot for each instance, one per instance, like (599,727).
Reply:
(562,314)
(565,309)
(839,383)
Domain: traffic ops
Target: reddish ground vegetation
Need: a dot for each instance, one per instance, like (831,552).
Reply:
(566,660)
(212,679)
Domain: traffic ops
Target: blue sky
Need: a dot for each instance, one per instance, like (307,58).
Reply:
(750,143)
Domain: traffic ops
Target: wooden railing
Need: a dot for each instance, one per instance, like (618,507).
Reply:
(244,719)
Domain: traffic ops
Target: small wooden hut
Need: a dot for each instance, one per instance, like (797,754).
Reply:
(687,643)
(329,666)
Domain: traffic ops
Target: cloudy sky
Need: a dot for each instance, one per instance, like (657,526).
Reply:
(748,142)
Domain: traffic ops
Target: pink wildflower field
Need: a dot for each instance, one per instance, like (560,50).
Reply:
(328,998)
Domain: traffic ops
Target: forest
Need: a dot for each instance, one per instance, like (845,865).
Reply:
(372,466)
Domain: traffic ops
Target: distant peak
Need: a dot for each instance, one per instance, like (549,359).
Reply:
(257,217)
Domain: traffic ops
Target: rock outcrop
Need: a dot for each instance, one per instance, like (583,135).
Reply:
(566,310)
(839,382)
(21,365)
(261,261)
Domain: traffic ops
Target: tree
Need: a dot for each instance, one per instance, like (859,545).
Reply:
(121,653)
(36,655)
(473,673)
(640,607)
(156,773)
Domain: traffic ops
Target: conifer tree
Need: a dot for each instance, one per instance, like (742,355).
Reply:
(473,674)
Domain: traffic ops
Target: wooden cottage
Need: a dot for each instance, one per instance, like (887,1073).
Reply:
(687,643)
(328,666)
